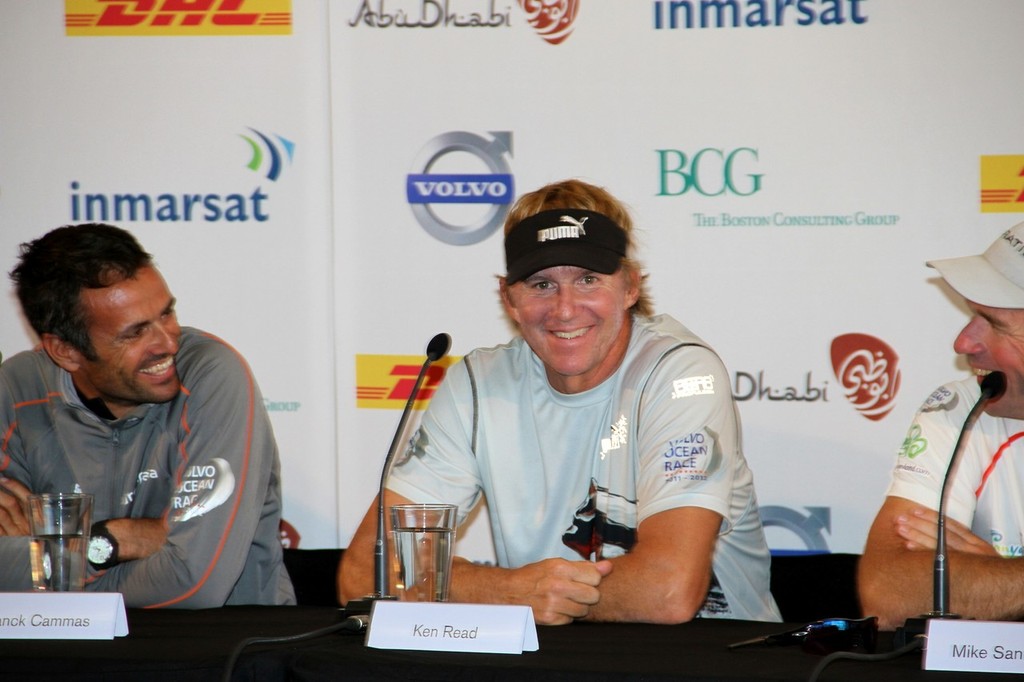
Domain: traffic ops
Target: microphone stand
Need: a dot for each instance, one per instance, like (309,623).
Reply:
(992,387)
(436,349)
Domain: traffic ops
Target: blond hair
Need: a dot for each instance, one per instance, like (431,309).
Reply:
(578,194)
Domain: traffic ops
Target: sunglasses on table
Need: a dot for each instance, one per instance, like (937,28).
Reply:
(825,636)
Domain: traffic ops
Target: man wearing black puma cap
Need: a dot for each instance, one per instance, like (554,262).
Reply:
(604,439)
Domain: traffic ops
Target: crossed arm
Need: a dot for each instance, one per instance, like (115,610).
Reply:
(663,579)
(136,538)
(895,571)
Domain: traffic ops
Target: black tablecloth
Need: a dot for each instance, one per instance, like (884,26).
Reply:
(193,646)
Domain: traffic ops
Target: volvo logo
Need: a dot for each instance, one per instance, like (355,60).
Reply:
(429,193)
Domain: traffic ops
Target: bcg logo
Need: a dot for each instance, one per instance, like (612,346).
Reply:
(709,172)
(443,202)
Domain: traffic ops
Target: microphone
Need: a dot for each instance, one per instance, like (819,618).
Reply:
(992,388)
(436,349)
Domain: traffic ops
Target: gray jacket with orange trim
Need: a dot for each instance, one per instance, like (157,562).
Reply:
(206,462)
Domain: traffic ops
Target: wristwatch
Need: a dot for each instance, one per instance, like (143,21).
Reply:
(102,551)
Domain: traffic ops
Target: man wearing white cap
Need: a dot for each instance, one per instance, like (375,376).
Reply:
(605,440)
(985,503)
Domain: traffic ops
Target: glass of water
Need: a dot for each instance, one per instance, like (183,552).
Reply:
(59,524)
(424,541)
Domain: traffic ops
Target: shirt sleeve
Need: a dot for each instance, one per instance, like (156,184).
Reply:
(688,435)
(227,467)
(14,557)
(926,450)
(439,464)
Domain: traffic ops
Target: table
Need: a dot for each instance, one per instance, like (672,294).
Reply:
(193,646)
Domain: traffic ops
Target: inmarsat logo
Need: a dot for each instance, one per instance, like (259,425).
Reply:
(186,203)
(447,205)
(273,157)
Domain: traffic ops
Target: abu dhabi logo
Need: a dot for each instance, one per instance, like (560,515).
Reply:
(430,14)
(553,20)
(445,204)
(868,370)
(268,155)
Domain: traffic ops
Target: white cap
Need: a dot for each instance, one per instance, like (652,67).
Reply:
(995,278)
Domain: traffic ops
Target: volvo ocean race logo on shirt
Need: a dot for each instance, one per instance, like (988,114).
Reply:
(461,208)
(204,487)
(269,155)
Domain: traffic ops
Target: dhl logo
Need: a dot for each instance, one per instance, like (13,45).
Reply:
(177,17)
(386,381)
(1002,184)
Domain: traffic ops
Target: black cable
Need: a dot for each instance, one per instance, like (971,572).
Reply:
(913,645)
(351,624)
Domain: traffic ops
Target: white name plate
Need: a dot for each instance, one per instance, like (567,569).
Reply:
(974,645)
(434,626)
(62,615)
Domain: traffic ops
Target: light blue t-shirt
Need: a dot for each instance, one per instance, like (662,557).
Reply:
(573,476)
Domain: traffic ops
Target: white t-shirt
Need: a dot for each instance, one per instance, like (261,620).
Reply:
(573,476)
(987,490)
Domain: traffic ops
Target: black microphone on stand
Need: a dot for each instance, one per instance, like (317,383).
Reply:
(992,387)
(436,349)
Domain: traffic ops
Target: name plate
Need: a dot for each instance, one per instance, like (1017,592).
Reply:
(974,645)
(434,626)
(62,615)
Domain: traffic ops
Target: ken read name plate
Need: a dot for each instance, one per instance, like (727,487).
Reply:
(437,626)
(62,615)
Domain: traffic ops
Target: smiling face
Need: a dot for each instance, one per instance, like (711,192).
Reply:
(994,341)
(135,335)
(577,321)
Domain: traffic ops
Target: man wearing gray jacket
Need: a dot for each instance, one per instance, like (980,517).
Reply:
(165,426)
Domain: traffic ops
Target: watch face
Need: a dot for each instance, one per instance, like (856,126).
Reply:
(100,550)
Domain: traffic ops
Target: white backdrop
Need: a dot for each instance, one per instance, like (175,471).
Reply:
(739,149)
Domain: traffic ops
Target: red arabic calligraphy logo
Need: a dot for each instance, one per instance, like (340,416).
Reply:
(552,19)
(867,369)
